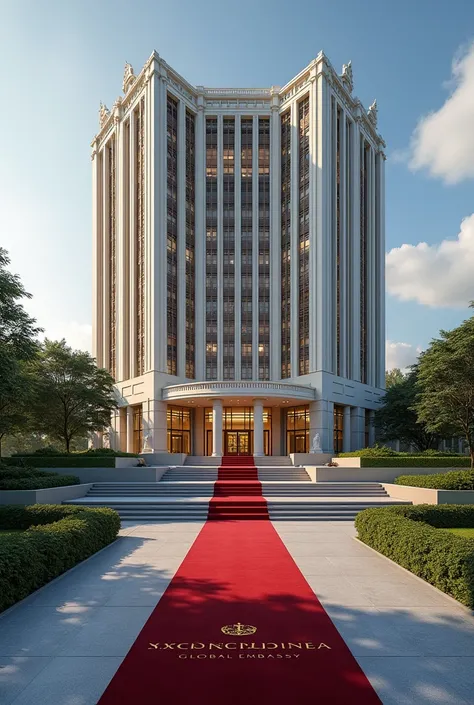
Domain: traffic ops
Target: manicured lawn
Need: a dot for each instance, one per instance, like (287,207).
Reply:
(467,533)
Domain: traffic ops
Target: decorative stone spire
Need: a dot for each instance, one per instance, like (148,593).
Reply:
(372,113)
(104,113)
(128,77)
(347,77)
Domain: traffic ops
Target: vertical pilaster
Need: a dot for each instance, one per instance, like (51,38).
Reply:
(275,243)
(200,244)
(255,306)
(154,426)
(357,427)
(321,420)
(238,249)
(343,298)
(105,258)
(132,251)
(97,256)
(372,275)
(380,234)
(313,205)
(217,428)
(220,248)
(294,274)
(258,427)
(129,429)
(346,430)
(123,239)
(355,256)
(331,244)
(181,250)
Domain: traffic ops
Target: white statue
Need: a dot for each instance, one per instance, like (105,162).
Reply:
(146,442)
(316,445)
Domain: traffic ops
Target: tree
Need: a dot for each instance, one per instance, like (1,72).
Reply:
(393,377)
(73,397)
(18,345)
(446,384)
(397,420)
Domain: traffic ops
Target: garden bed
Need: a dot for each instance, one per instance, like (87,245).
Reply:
(456,480)
(410,536)
(47,541)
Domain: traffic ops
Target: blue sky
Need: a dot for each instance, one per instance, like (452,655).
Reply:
(59,59)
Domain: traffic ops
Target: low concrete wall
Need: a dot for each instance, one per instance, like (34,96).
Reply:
(310,458)
(130,474)
(53,495)
(423,495)
(164,458)
(126,462)
(325,474)
(347,462)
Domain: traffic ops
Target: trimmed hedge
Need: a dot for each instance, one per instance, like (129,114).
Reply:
(12,478)
(51,451)
(62,461)
(410,536)
(417,461)
(455,480)
(56,538)
(383,451)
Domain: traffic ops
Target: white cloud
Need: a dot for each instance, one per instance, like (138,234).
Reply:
(434,275)
(400,355)
(443,141)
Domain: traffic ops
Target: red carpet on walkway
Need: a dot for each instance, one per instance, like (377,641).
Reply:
(238,491)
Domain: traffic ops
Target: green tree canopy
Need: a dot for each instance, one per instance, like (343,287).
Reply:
(393,376)
(446,384)
(397,420)
(18,345)
(73,397)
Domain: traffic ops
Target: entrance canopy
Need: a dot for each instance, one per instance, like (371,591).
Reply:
(274,393)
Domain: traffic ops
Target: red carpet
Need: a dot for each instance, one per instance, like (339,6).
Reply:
(239,624)
(237,481)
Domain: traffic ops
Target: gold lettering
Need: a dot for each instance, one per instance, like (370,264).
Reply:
(197,645)
(324,646)
(171,645)
(231,645)
(310,645)
(215,646)
(243,645)
(292,645)
(183,646)
(271,645)
(154,646)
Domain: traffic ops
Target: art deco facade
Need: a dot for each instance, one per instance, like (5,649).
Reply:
(239,263)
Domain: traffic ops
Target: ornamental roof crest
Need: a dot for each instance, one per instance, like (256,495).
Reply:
(372,113)
(347,77)
(104,114)
(128,77)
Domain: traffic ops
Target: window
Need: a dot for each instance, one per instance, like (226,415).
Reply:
(246,137)
(264,248)
(172,237)
(190,241)
(338,428)
(303,228)
(297,429)
(178,425)
(285,245)
(211,248)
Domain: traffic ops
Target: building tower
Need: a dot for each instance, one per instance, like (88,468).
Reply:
(239,247)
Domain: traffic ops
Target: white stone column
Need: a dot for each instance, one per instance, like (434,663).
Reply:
(354,294)
(181,249)
(154,426)
(217,428)
(275,242)
(358,427)
(313,185)
(321,420)
(255,311)
(129,429)
(258,428)
(200,244)
(294,249)
(343,298)
(346,430)
(132,251)
(371,427)
(97,255)
(105,257)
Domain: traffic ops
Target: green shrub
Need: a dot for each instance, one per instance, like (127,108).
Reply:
(63,461)
(410,536)
(416,461)
(374,452)
(455,480)
(56,538)
(28,478)
(111,452)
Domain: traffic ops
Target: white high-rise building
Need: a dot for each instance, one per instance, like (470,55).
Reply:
(239,293)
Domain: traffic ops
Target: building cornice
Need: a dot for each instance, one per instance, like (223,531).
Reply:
(222,390)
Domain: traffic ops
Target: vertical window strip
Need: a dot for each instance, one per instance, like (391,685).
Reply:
(190,245)
(228,227)
(172,237)
(264,248)
(285,245)
(112,258)
(246,247)
(338,239)
(211,248)
(303,228)
(349,278)
(140,235)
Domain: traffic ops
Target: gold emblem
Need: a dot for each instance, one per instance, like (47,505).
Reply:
(238,629)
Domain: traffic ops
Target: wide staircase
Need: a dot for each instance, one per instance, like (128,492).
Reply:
(185,493)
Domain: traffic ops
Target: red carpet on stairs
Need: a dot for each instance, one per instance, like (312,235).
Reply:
(238,491)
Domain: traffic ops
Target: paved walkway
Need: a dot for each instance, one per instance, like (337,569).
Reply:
(63,644)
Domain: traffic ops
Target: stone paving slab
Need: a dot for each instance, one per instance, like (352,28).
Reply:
(62,645)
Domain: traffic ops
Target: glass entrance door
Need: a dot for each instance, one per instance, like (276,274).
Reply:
(237,442)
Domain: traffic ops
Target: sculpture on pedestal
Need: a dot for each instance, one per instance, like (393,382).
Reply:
(146,443)
(316,445)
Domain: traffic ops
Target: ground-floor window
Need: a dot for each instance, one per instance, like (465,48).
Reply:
(137,428)
(237,430)
(297,429)
(178,427)
(338,428)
